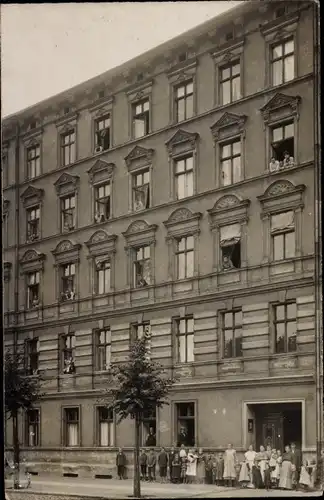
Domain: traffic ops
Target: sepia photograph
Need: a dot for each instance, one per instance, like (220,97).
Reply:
(162,309)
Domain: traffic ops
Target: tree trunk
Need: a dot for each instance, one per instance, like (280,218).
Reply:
(15,441)
(137,482)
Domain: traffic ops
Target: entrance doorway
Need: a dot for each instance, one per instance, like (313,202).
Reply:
(277,424)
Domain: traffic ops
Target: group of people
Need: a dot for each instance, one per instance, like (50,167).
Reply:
(268,468)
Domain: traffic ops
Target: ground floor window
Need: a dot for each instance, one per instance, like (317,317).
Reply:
(148,429)
(32,427)
(71,435)
(105,435)
(185,428)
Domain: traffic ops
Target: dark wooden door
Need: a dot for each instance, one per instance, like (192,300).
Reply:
(272,430)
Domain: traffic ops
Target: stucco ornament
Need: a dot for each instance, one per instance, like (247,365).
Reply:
(279,187)
(227,201)
(99,236)
(180,214)
(136,226)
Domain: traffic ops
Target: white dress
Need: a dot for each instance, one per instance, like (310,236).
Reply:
(191,465)
(304,479)
(246,469)
(229,464)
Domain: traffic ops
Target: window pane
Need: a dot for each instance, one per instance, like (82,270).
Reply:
(289,47)
(278,250)
(146,177)
(181,266)
(101,282)
(190,348)
(226,172)
(189,88)
(226,151)
(189,163)
(280,337)
(139,127)
(237,169)
(277,72)
(181,110)
(226,73)
(189,184)
(190,264)
(181,244)
(228,319)
(236,88)
(277,51)
(238,318)
(180,166)
(104,434)
(72,153)
(181,186)
(289,130)
(289,69)
(146,106)
(226,92)
(277,134)
(290,245)
(280,313)
(236,147)
(190,325)
(182,325)
(180,91)
(107,280)
(190,242)
(291,311)
(238,343)
(146,252)
(291,336)
(182,348)
(228,344)
(189,107)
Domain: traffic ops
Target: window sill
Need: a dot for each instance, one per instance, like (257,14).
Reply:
(101,372)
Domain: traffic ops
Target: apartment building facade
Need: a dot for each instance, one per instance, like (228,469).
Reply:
(173,196)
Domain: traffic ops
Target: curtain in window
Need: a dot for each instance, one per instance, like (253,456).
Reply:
(230,234)
(104,434)
(31,436)
(72,434)
(147,271)
(141,195)
(282,221)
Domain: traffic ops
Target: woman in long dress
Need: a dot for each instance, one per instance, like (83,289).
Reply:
(245,477)
(262,459)
(229,466)
(201,466)
(285,481)
(191,466)
(304,479)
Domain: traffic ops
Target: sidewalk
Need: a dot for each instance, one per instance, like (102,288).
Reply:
(113,488)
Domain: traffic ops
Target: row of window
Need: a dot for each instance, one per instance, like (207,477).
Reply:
(285,331)
(283,237)
(105,426)
(230,90)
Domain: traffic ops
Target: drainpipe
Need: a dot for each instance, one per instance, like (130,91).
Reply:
(318,239)
(17,218)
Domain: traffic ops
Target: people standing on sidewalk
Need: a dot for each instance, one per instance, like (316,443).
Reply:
(176,469)
(305,479)
(191,466)
(171,456)
(163,465)
(296,464)
(121,463)
(245,477)
(151,465)
(143,464)
(183,468)
(183,452)
(219,470)
(285,481)
(209,469)
(201,466)
(229,466)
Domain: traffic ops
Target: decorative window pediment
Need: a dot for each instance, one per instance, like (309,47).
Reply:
(180,71)
(101,171)
(280,28)
(228,209)
(139,232)
(66,251)
(139,157)
(183,221)
(67,121)
(282,195)
(182,141)
(228,125)
(101,242)
(32,260)
(32,196)
(7,271)
(228,52)
(280,106)
(102,108)
(139,90)
(66,184)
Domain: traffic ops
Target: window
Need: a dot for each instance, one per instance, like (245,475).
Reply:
(32,428)
(71,426)
(68,213)
(141,190)
(67,282)
(68,353)
(33,289)
(285,327)
(184,177)
(142,267)
(33,161)
(231,163)
(105,427)
(32,356)
(230,83)
(103,349)
(185,340)
(141,118)
(185,257)
(283,235)
(33,223)
(282,62)
(68,148)
(232,334)
(148,428)
(184,101)
(230,243)
(143,330)
(283,145)
(185,414)
(102,202)
(103,276)
(102,133)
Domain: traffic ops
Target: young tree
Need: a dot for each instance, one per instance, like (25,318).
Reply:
(21,392)
(138,385)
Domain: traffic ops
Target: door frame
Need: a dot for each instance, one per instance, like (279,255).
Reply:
(245,405)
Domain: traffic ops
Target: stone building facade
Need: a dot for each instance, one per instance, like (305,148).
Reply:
(172,196)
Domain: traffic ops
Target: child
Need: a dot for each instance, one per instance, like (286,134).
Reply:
(176,469)
(304,480)
(151,463)
(209,466)
(219,470)
(143,464)
(163,465)
(273,468)
(278,467)
(267,476)
(183,469)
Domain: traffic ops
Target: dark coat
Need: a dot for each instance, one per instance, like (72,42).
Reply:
(151,460)
(163,459)
(143,459)
(296,459)
(183,439)
(151,440)
(120,459)
(171,457)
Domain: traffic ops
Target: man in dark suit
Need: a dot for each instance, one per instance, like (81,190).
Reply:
(182,437)
(121,463)
(296,462)
(170,460)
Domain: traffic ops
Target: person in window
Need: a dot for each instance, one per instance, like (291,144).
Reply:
(288,160)
(151,438)
(163,465)
(151,464)
(121,463)
(183,437)
(227,263)
(143,465)
(274,165)
(69,366)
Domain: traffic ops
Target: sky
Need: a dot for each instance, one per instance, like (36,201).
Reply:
(48,48)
